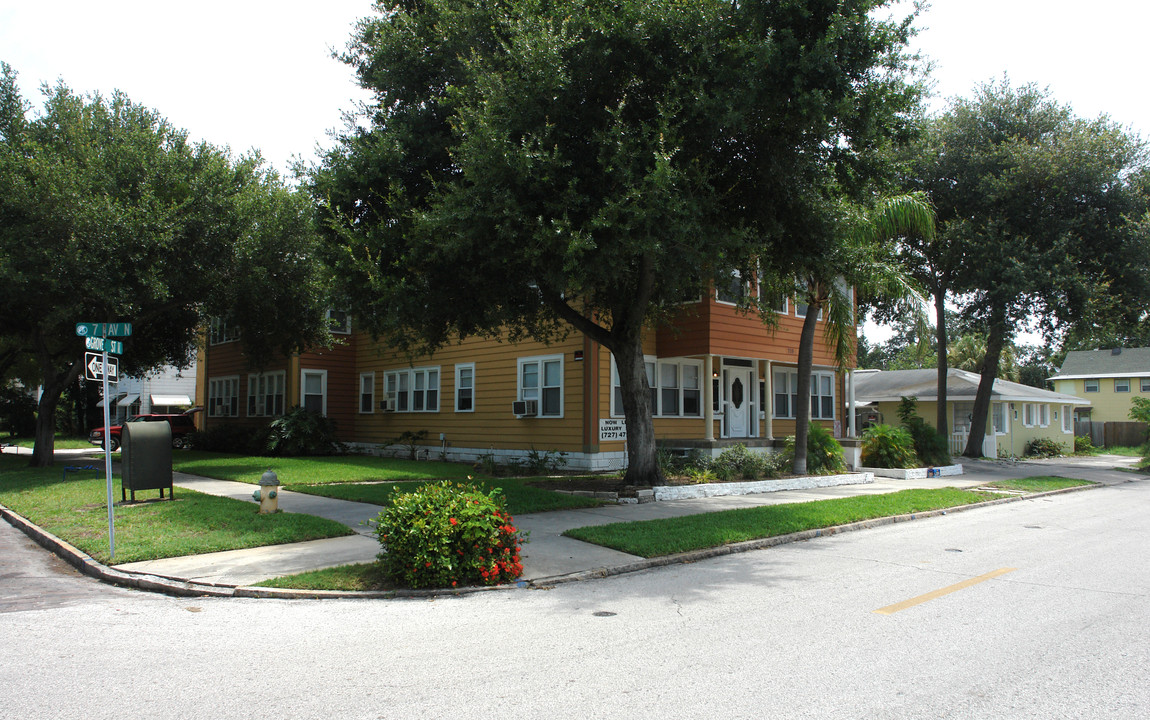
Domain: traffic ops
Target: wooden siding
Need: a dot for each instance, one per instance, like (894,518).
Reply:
(491,424)
(710,327)
(342,383)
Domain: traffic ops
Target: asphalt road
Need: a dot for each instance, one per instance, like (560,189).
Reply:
(1034,609)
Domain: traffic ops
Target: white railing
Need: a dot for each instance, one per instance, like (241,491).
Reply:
(958,442)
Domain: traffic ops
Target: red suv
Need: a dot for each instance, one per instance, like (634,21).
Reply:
(182,425)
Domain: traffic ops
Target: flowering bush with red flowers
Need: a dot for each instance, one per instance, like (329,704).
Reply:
(445,535)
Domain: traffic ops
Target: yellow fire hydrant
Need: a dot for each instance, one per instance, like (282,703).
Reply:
(268,494)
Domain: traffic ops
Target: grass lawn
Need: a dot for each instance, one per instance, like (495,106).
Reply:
(368,479)
(74,509)
(357,577)
(61,443)
(315,470)
(1038,483)
(1125,451)
(652,538)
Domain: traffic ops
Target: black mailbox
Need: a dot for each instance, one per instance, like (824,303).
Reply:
(146,459)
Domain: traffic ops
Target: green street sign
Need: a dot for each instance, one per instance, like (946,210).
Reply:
(103,344)
(104,329)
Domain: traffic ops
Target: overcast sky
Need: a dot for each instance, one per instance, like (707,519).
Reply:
(259,73)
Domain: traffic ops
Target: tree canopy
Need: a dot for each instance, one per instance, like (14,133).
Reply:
(108,213)
(1042,219)
(535,167)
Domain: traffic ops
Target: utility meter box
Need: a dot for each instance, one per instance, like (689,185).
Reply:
(146,459)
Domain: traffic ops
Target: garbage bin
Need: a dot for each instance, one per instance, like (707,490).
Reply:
(146,459)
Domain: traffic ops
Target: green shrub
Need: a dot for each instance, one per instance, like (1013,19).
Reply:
(929,445)
(1044,447)
(538,463)
(1082,445)
(884,446)
(739,462)
(301,432)
(824,454)
(449,535)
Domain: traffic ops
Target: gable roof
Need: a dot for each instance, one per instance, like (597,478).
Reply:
(1117,362)
(961,386)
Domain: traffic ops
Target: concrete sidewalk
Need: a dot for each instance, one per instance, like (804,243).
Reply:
(548,554)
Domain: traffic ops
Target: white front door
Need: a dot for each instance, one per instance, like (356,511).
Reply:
(738,396)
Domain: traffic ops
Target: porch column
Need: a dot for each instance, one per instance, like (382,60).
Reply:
(768,400)
(851,403)
(708,399)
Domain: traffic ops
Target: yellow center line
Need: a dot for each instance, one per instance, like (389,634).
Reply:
(892,609)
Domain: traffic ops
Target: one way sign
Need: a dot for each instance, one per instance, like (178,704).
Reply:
(94,368)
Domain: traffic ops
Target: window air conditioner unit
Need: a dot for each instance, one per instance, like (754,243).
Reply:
(386,405)
(525,408)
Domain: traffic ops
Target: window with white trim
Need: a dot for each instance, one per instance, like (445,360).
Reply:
(822,396)
(1121,385)
(998,418)
(786,392)
(1144,385)
(786,389)
(541,379)
(1043,415)
(465,387)
(676,388)
(1067,420)
(219,332)
(413,389)
(266,394)
(313,390)
(367,392)
(1028,414)
(339,321)
(1091,385)
(224,396)
(733,289)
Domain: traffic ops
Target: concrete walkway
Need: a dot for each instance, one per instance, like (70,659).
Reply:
(548,554)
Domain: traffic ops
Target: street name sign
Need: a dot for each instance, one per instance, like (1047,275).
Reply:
(104,329)
(104,344)
(94,367)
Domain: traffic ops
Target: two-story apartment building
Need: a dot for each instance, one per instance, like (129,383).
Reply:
(718,377)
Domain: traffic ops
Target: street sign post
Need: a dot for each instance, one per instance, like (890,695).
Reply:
(101,367)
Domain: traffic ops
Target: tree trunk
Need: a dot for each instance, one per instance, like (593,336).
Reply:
(942,421)
(43,451)
(642,454)
(803,401)
(994,344)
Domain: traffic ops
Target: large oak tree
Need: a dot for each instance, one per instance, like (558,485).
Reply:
(108,213)
(532,167)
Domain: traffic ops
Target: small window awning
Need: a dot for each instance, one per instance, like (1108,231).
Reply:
(128,401)
(171,400)
(114,399)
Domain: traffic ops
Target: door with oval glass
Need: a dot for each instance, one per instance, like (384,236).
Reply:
(738,389)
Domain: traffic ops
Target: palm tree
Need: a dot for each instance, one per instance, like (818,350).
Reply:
(864,260)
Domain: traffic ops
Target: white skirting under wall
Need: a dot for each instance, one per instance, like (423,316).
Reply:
(583,462)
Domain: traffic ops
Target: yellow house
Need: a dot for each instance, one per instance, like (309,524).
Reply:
(1018,413)
(1106,379)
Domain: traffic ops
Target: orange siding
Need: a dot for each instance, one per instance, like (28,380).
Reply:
(491,424)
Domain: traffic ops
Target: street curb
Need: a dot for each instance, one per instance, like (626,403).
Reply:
(88,565)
